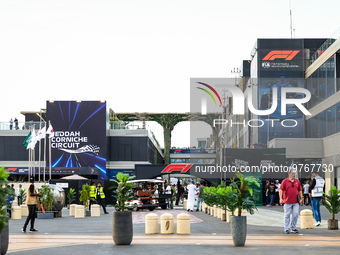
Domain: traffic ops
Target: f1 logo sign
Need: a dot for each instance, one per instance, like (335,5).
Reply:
(286,54)
(183,168)
(11,169)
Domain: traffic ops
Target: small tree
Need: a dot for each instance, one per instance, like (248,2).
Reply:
(123,191)
(332,203)
(22,196)
(71,195)
(245,196)
(46,197)
(85,195)
(4,190)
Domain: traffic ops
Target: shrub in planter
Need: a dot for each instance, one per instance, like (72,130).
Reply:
(85,195)
(46,201)
(244,199)
(22,196)
(71,195)
(4,190)
(122,230)
(332,204)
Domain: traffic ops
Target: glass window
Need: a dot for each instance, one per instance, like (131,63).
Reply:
(337,112)
(331,121)
(330,76)
(322,124)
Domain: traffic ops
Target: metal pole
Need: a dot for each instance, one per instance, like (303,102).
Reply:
(45,154)
(39,150)
(49,138)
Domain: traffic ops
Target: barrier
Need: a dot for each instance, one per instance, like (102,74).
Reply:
(79,212)
(151,224)
(183,224)
(306,219)
(16,213)
(95,210)
(167,224)
(72,209)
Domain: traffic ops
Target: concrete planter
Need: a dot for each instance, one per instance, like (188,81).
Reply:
(333,224)
(122,227)
(4,238)
(238,227)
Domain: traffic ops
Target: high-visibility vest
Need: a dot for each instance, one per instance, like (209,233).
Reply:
(318,188)
(101,193)
(93,192)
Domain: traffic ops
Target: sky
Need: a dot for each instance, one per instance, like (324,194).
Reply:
(137,55)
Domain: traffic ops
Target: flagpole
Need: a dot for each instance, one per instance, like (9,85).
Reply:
(50,157)
(45,154)
(39,149)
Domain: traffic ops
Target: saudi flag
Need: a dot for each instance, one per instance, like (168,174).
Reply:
(25,143)
(32,141)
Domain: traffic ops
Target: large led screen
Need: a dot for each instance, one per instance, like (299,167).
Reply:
(79,134)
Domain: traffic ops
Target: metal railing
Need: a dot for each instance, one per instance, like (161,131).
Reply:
(21,125)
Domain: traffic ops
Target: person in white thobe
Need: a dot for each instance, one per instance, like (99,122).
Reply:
(191,188)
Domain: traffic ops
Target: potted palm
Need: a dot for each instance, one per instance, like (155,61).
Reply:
(71,195)
(85,198)
(4,190)
(46,200)
(332,204)
(22,196)
(122,230)
(244,199)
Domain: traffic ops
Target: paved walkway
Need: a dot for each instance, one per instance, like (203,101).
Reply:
(67,235)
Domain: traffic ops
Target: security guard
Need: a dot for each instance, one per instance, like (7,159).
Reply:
(101,196)
(316,188)
(92,194)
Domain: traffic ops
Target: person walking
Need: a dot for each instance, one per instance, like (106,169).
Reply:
(271,192)
(92,194)
(200,195)
(191,196)
(306,199)
(11,124)
(101,197)
(16,122)
(277,190)
(266,193)
(168,192)
(316,188)
(17,193)
(290,191)
(31,201)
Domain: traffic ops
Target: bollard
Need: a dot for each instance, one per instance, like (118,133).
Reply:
(183,224)
(223,215)
(167,224)
(151,224)
(219,212)
(16,213)
(15,203)
(95,210)
(185,204)
(72,209)
(24,210)
(79,212)
(215,211)
(306,218)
